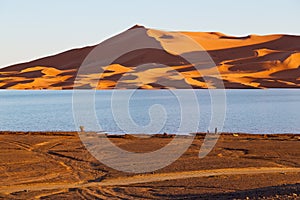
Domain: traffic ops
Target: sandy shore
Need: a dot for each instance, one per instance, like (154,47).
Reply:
(56,165)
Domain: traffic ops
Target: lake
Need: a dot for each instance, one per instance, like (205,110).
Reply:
(249,111)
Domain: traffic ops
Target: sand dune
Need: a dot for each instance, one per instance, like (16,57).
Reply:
(270,61)
(216,41)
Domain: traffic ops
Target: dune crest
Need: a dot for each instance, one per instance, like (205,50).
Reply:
(217,41)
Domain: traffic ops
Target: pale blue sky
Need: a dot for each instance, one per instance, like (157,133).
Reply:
(33,28)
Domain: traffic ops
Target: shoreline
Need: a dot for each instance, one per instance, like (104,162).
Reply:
(161,135)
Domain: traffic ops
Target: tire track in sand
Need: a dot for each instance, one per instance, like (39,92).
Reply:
(146,178)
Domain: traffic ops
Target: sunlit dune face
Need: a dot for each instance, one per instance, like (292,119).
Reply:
(254,78)
(293,61)
(42,83)
(29,78)
(168,42)
(217,41)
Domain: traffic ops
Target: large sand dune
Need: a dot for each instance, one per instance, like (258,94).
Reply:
(253,61)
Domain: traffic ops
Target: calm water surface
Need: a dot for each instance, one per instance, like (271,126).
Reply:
(251,111)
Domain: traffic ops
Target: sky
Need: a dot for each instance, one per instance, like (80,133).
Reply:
(33,29)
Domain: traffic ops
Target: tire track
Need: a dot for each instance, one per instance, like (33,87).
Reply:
(146,178)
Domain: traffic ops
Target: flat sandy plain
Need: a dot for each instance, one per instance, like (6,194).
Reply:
(56,165)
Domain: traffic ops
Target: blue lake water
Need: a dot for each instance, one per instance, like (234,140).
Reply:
(249,111)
